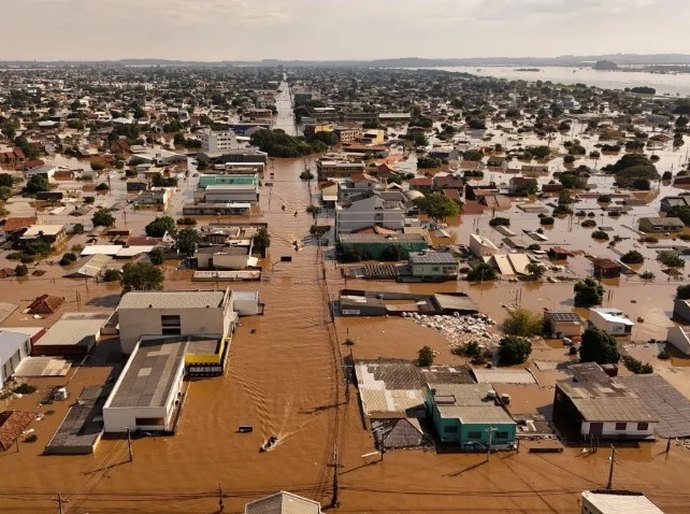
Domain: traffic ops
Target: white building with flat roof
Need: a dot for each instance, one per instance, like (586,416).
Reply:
(148,389)
(610,320)
(216,141)
(170,313)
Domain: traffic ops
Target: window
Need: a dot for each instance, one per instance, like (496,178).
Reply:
(149,422)
(450,429)
(621,426)
(643,426)
(474,435)
(170,325)
(501,435)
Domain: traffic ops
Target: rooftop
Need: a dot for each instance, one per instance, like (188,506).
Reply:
(283,503)
(469,403)
(75,328)
(432,258)
(148,378)
(183,299)
(618,503)
(612,315)
(564,316)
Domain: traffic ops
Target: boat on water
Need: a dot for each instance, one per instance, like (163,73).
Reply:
(269,443)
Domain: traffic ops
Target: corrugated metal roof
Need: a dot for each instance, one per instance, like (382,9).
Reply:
(172,299)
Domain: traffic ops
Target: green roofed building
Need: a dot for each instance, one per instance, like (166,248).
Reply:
(468,415)
(223,180)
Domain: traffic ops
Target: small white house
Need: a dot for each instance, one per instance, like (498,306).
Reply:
(612,321)
(680,338)
(614,502)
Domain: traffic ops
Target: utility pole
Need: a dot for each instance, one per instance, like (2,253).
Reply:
(129,444)
(491,431)
(335,502)
(221,505)
(611,464)
(60,503)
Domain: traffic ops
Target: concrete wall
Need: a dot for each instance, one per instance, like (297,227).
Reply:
(119,419)
(135,323)
(21,347)
(630,432)
(435,270)
(677,337)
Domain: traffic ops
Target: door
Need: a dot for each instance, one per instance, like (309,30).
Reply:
(596,428)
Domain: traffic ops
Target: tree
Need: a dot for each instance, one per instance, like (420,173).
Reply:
(514,350)
(426,162)
(588,292)
(35,184)
(6,180)
(186,241)
(631,167)
(160,226)
(536,270)
(438,206)
(683,292)
(21,270)
(156,256)
(425,356)
(598,346)
(632,257)
(141,276)
(112,275)
(523,322)
(262,240)
(482,272)
(670,258)
(103,218)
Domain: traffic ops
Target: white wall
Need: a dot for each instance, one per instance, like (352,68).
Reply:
(135,323)
(610,327)
(677,337)
(609,430)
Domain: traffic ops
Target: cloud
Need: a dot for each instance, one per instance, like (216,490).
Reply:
(326,29)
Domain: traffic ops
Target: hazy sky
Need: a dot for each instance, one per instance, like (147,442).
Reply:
(332,29)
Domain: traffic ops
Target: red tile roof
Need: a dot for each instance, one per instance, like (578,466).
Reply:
(18,223)
(12,424)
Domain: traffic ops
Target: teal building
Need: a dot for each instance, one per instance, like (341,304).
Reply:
(466,415)
(228,180)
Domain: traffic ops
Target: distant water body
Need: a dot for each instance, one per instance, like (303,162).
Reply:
(665,84)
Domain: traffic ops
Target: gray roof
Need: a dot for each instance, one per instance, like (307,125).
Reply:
(381,238)
(76,328)
(196,299)
(670,405)
(668,221)
(149,375)
(432,258)
(469,403)
(564,316)
(601,401)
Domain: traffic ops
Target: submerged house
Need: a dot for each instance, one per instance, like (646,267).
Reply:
(468,415)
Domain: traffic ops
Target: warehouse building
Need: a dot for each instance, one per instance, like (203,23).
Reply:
(149,389)
(206,313)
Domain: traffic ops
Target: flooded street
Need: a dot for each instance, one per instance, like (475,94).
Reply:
(286,378)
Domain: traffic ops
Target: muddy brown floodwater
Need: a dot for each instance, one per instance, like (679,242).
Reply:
(286,379)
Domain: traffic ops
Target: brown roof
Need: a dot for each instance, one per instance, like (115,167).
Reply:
(605,264)
(46,304)
(19,223)
(12,424)
(143,241)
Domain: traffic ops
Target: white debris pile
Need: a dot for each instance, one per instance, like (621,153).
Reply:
(458,329)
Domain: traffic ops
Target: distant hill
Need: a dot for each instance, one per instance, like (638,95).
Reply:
(405,62)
